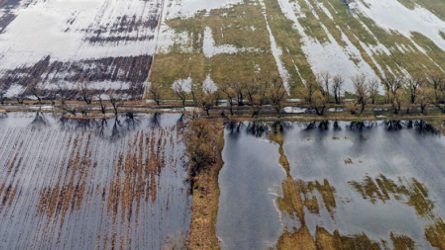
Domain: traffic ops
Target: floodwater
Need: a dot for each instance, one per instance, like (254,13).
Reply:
(371,184)
(102,184)
(248,182)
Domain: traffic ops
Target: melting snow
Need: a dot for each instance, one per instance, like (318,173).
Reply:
(209,85)
(189,8)
(183,84)
(210,49)
(394,16)
(329,57)
(276,52)
(61,28)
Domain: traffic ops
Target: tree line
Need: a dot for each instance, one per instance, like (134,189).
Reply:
(414,93)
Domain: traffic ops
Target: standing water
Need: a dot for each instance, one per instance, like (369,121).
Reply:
(87,184)
(371,185)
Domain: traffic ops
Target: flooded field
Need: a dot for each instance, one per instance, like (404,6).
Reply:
(371,185)
(102,184)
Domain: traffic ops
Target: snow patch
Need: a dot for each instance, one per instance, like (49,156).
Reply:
(394,16)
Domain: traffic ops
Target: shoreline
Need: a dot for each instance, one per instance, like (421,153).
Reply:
(81,111)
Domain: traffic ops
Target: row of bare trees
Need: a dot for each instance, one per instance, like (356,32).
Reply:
(255,95)
(416,92)
(62,94)
(413,92)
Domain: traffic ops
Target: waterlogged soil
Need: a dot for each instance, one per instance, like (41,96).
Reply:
(332,185)
(93,184)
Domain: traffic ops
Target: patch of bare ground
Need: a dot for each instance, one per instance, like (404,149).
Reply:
(205,142)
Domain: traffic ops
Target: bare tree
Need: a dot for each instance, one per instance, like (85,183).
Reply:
(323,81)
(424,97)
(85,92)
(337,85)
(413,85)
(319,102)
(180,93)
(373,90)
(115,101)
(360,88)
(207,101)
(277,95)
(259,98)
(230,93)
(103,108)
(437,82)
(2,93)
(20,97)
(63,94)
(35,91)
(155,92)
(239,89)
(393,85)
(194,97)
(308,92)
(252,88)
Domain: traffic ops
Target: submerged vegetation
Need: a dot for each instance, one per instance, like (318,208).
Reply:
(86,169)
(313,210)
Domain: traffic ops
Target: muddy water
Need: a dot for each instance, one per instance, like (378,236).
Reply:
(92,184)
(360,185)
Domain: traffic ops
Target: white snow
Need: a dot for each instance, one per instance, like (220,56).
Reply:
(328,57)
(14,90)
(189,8)
(394,16)
(61,28)
(209,85)
(276,52)
(183,84)
(210,49)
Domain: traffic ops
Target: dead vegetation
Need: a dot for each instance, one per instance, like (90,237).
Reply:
(299,197)
(413,193)
(205,141)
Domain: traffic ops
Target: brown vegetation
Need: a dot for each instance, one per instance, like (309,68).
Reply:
(205,141)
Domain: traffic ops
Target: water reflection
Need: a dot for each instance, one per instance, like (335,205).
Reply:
(350,185)
(360,126)
(257,128)
(247,216)
(155,120)
(70,183)
(39,121)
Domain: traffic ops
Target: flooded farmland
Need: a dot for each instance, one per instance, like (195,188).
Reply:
(122,183)
(93,184)
(371,185)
